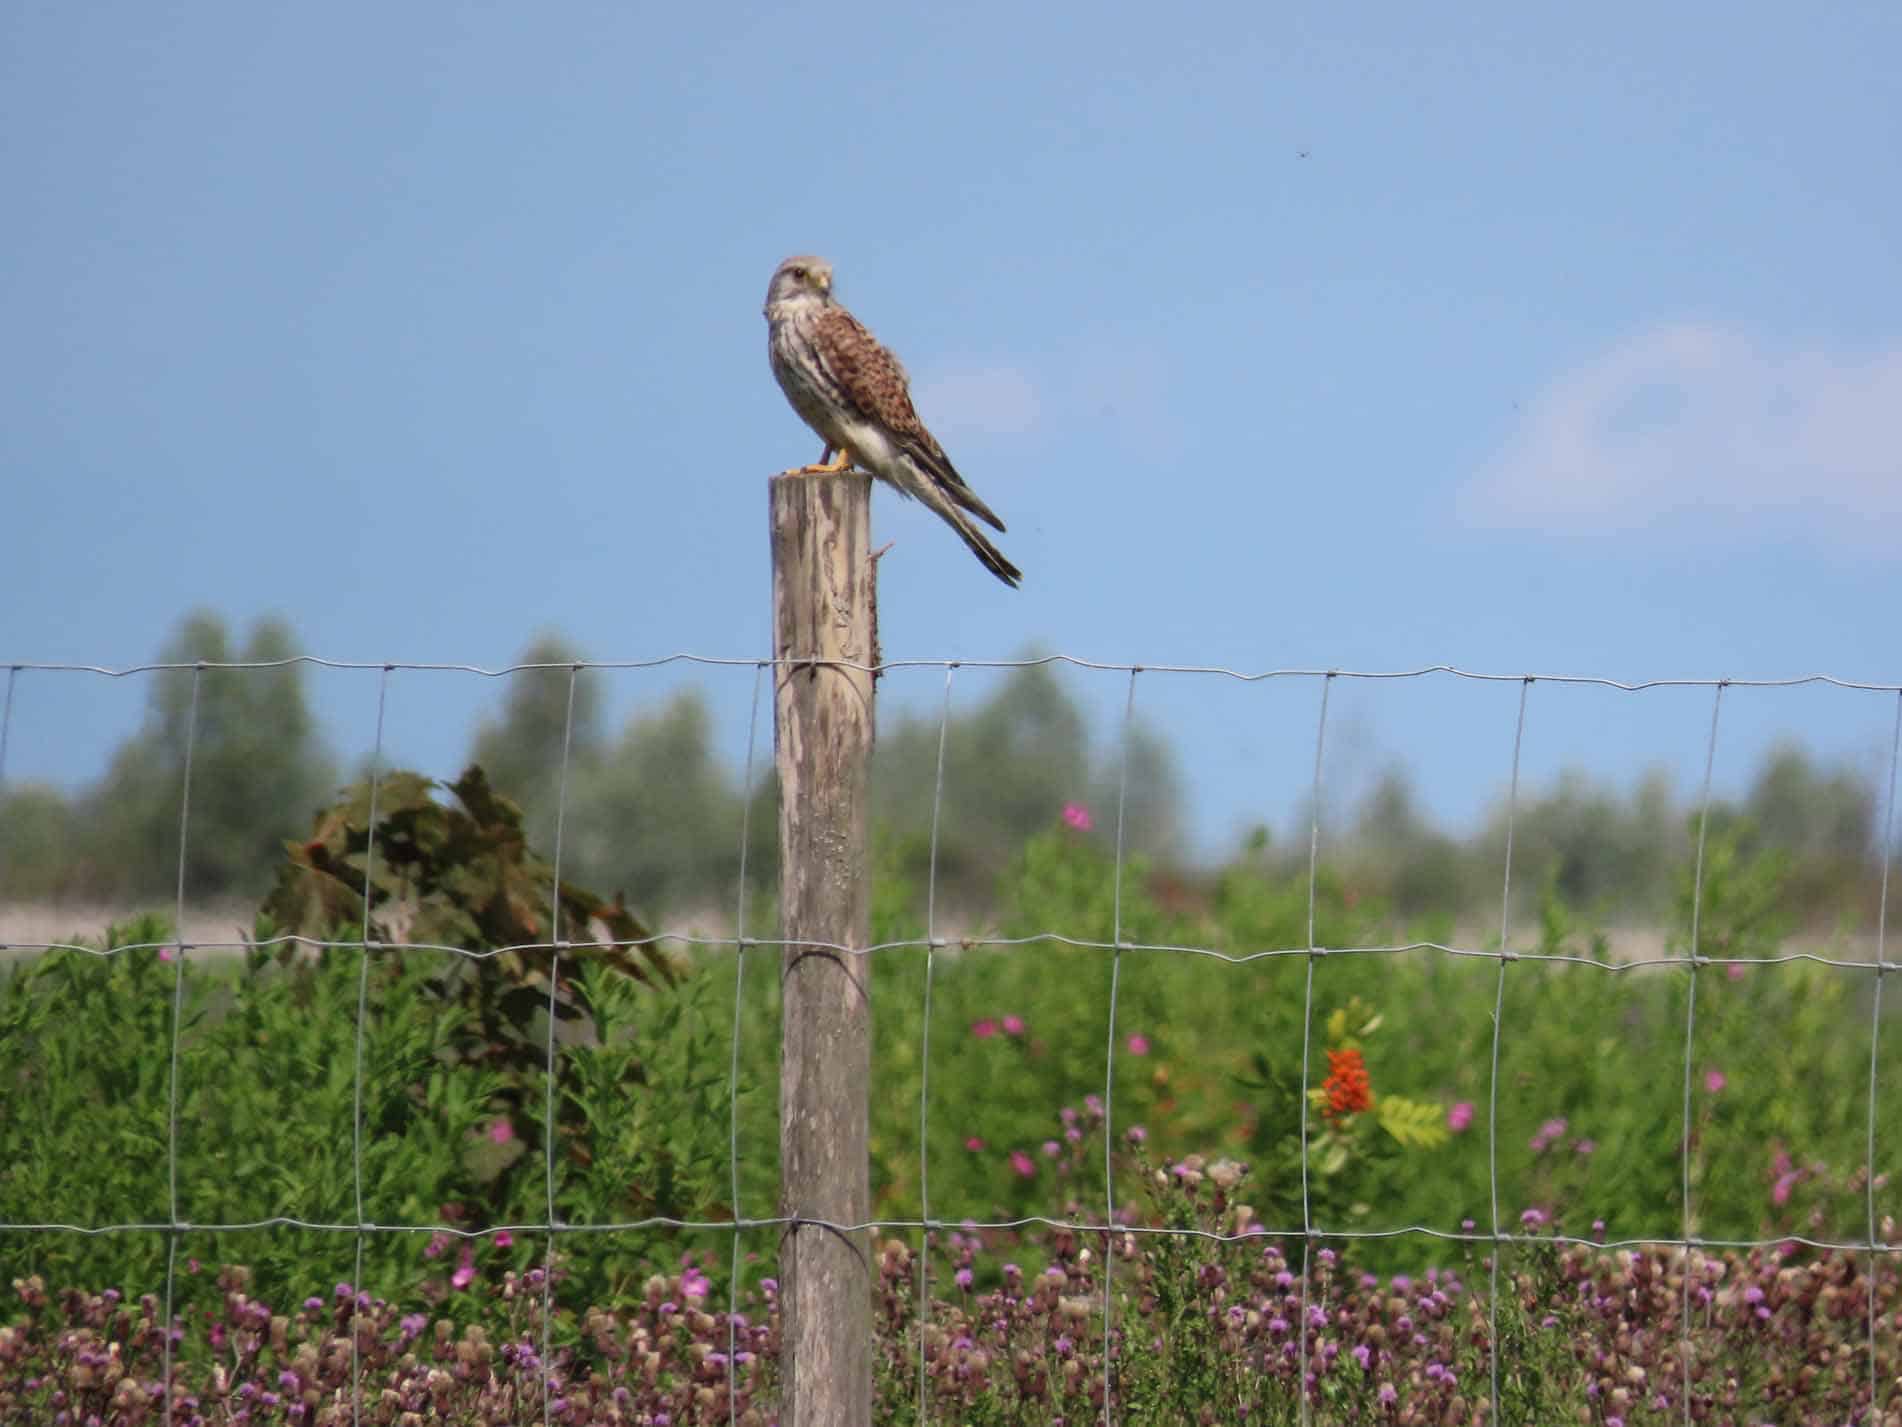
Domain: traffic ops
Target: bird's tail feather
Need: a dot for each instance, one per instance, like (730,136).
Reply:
(988,554)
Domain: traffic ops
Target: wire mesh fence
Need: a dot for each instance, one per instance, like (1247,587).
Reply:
(1496,1233)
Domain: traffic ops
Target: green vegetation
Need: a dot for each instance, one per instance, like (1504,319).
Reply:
(316,1087)
(1206,1054)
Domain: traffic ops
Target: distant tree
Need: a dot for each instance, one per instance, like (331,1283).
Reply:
(1593,846)
(1151,796)
(258,770)
(1397,851)
(1812,812)
(521,748)
(652,813)
(1011,766)
(41,858)
(658,815)
(1823,820)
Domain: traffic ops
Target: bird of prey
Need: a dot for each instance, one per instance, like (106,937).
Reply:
(855,395)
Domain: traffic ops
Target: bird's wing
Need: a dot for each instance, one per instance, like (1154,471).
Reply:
(872,379)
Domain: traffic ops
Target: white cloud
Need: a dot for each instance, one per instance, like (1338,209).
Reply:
(990,401)
(1699,421)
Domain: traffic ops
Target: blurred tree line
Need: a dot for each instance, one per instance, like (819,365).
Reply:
(259,770)
(654,812)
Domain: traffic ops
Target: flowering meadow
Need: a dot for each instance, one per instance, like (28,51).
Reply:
(1213,1110)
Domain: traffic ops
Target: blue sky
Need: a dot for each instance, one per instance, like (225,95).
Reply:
(1504,336)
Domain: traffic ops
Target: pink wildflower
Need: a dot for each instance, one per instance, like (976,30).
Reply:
(1052,1149)
(1025,1166)
(465,1271)
(1137,1134)
(1714,1081)
(1013,1025)
(1138,1045)
(503,1238)
(1735,971)
(1459,1116)
(501,1132)
(984,1029)
(974,1144)
(1077,816)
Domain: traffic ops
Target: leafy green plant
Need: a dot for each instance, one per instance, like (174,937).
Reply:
(462,877)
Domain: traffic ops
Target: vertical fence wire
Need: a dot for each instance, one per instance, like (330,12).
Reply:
(363,1000)
(1109,1060)
(178,1013)
(555,945)
(1307,1042)
(6,729)
(1492,1085)
(1875,1045)
(1690,1039)
(924,1052)
(733,1067)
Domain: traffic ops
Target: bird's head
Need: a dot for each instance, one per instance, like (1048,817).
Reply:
(799,281)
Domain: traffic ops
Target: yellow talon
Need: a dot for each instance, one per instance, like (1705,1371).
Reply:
(841,462)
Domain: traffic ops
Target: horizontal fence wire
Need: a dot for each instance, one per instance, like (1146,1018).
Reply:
(1114,1230)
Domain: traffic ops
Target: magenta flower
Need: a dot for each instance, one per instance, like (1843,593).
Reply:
(501,1132)
(1025,1166)
(1013,1025)
(1137,1134)
(503,1238)
(1735,971)
(465,1271)
(1714,1081)
(1077,816)
(974,1144)
(984,1029)
(167,953)
(1459,1116)
(1138,1045)
(1052,1148)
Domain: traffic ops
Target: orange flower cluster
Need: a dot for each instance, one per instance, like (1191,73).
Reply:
(1349,1091)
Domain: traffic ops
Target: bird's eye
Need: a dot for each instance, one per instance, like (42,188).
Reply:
(798,272)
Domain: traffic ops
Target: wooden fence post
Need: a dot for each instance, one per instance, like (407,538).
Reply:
(823,610)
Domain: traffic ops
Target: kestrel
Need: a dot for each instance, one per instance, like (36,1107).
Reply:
(856,396)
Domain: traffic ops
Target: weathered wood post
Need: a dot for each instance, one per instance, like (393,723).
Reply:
(823,624)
